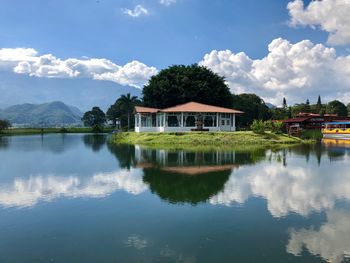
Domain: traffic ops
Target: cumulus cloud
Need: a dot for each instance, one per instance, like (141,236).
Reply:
(295,71)
(27,61)
(167,2)
(331,241)
(139,10)
(331,16)
(133,74)
(28,192)
(295,188)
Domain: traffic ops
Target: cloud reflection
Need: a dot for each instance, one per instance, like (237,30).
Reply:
(28,192)
(295,188)
(331,241)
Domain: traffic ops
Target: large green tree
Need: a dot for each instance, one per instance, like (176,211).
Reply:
(127,104)
(180,84)
(123,110)
(253,107)
(4,124)
(94,117)
(337,107)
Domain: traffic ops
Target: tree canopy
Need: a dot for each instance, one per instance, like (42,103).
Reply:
(94,117)
(180,84)
(123,109)
(337,107)
(253,107)
(4,124)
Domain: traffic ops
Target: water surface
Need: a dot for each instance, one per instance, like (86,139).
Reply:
(76,198)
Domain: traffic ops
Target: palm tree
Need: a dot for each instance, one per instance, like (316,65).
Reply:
(127,103)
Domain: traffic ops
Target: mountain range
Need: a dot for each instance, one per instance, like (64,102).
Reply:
(52,114)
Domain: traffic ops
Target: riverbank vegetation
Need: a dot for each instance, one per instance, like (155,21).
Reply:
(193,140)
(30,131)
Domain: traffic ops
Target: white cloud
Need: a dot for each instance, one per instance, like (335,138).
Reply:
(167,2)
(331,16)
(295,71)
(331,241)
(133,74)
(27,61)
(295,188)
(26,193)
(139,10)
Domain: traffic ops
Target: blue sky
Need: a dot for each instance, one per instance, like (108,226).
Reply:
(182,32)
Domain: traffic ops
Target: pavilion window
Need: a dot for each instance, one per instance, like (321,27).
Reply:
(174,120)
(146,120)
(210,120)
(190,121)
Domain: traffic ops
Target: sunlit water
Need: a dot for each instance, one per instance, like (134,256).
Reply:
(75,198)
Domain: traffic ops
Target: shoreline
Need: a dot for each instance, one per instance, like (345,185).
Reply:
(33,131)
(208,140)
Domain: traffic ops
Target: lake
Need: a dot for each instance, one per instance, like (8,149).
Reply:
(76,198)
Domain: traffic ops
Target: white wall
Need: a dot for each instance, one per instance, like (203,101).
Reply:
(229,128)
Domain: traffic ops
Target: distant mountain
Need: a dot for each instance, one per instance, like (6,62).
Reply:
(52,114)
(270,105)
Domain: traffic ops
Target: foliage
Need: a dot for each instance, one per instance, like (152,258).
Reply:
(311,134)
(123,109)
(336,107)
(277,127)
(4,125)
(180,84)
(258,126)
(253,106)
(97,128)
(94,117)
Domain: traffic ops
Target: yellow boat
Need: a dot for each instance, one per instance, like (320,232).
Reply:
(337,130)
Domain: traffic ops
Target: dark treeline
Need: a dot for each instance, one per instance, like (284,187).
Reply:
(180,84)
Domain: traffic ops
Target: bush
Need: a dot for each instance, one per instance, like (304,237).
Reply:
(97,129)
(277,127)
(63,130)
(258,126)
(4,125)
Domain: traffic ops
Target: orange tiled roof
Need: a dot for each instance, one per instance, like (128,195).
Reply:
(140,109)
(199,107)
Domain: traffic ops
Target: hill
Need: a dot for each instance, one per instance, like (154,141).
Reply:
(52,114)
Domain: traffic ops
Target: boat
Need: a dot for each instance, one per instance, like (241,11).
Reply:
(337,130)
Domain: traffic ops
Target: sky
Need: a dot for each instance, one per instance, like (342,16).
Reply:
(88,52)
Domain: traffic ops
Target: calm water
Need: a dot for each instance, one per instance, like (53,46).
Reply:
(75,198)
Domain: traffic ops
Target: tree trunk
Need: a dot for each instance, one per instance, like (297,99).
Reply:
(128,121)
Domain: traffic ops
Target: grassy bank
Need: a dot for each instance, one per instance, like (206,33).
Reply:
(245,139)
(29,131)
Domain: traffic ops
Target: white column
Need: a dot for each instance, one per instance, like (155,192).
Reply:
(139,120)
(182,119)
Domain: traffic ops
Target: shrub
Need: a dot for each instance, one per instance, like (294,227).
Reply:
(258,126)
(4,125)
(277,127)
(97,129)
(63,130)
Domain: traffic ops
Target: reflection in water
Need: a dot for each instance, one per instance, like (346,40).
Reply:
(4,142)
(95,141)
(27,192)
(308,180)
(287,189)
(331,241)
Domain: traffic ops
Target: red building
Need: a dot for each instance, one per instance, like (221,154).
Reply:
(311,121)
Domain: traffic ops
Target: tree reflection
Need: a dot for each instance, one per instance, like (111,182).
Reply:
(183,188)
(95,141)
(4,142)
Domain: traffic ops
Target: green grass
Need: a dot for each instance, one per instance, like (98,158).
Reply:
(311,134)
(206,140)
(29,131)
